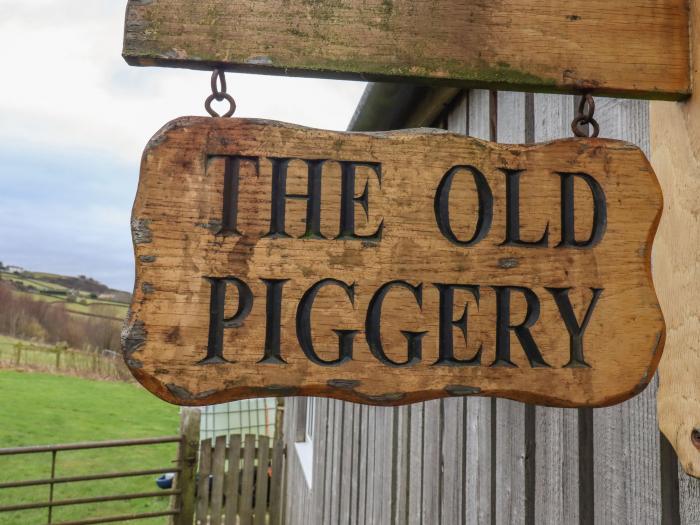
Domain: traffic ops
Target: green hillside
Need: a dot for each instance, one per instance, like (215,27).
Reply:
(81,295)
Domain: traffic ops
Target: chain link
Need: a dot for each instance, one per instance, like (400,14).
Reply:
(584,117)
(218,93)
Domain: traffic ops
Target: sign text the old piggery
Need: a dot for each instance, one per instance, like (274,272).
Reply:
(390,268)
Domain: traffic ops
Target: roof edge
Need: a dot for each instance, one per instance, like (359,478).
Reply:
(386,106)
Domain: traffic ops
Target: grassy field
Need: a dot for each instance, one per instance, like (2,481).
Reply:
(7,345)
(40,285)
(37,409)
(7,354)
(61,360)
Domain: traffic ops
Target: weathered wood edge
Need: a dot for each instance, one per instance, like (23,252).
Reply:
(134,334)
(675,140)
(524,82)
(180,122)
(495,85)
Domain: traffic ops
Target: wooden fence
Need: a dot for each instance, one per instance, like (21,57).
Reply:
(103,364)
(240,483)
(234,482)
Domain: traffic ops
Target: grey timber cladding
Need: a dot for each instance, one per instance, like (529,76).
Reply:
(485,461)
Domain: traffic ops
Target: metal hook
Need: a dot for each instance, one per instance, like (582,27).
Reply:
(218,78)
(586,109)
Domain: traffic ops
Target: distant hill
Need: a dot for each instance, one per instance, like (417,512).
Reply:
(81,295)
(58,309)
(85,284)
(55,283)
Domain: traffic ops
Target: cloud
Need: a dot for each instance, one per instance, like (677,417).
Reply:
(74,119)
(67,214)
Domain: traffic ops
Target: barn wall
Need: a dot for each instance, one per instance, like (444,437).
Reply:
(487,461)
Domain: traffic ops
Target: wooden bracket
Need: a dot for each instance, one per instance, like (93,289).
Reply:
(616,47)
(675,155)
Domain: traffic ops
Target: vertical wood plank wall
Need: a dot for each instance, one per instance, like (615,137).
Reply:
(483,461)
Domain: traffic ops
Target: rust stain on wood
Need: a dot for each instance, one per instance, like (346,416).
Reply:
(392,268)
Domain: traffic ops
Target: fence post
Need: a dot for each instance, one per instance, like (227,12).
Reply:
(53,476)
(277,483)
(279,419)
(187,455)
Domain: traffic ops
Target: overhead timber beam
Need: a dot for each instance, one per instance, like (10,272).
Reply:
(629,48)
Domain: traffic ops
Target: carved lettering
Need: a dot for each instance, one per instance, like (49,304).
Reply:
(373,325)
(272,322)
(345,337)
(447,324)
(391,268)
(522,330)
(485,206)
(348,201)
(280,196)
(232,168)
(576,331)
(513,213)
(600,216)
(217,318)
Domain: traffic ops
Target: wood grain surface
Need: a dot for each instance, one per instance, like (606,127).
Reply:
(635,48)
(464,277)
(675,153)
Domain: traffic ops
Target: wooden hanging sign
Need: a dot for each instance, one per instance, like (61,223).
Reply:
(389,268)
(615,47)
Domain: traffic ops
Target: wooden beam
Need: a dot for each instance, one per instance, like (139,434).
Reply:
(675,153)
(634,48)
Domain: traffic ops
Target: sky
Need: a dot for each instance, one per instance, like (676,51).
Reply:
(74,119)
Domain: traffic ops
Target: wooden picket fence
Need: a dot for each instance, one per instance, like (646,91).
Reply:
(239,482)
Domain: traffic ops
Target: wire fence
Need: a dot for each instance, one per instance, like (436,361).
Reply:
(101,364)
